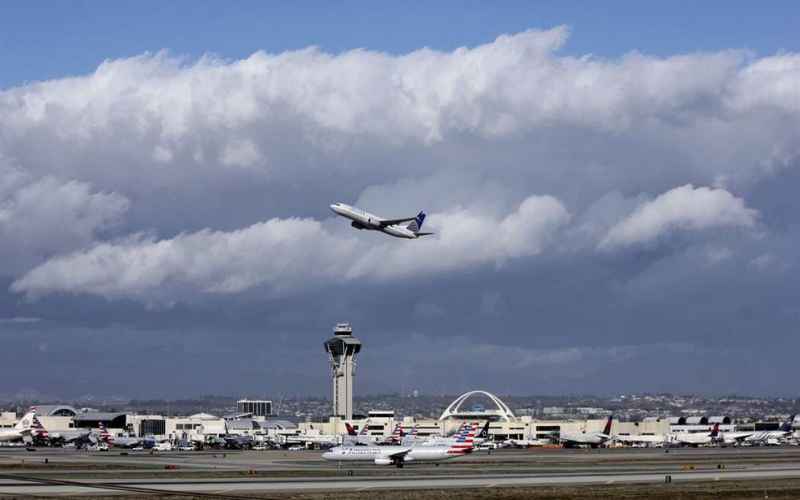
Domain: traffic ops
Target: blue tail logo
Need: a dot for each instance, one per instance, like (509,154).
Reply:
(416,224)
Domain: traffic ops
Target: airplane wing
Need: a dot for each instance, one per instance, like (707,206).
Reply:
(392,222)
(402,452)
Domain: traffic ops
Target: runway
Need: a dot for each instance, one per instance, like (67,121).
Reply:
(226,474)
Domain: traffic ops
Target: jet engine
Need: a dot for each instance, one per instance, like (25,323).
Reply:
(383,461)
(358,225)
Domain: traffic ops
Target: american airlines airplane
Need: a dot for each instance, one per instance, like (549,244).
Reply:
(400,455)
(19,431)
(393,227)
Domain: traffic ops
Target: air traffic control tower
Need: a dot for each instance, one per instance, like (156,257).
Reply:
(342,349)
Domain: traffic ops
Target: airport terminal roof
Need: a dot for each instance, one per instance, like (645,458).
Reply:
(203,416)
(278,424)
(242,424)
(97,416)
(56,410)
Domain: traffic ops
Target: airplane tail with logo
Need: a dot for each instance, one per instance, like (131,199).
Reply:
(465,442)
(715,430)
(788,425)
(105,436)
(37,429)
(350,430)
(25,422)
(416,224)
(484,433)
(607,428)
(397,434)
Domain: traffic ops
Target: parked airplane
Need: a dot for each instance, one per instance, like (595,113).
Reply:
(593,439)
(118,441)
(525,443)
(771,437)
(697,438)
(393,227)
(642,439)
(400,455)
(20,430)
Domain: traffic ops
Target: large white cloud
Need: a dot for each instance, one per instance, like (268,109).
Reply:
(192,152)
(283,254)
(681,208)
(44,217)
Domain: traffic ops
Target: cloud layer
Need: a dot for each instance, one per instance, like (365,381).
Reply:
(286,254)
(576,200)
(683,208)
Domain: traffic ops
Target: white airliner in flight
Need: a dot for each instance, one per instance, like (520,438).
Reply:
(393,227)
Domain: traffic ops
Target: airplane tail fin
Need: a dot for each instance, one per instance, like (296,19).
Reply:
(715,430)
(25,422)
(607,428)
(37,429)
(416,224)
(484,434)
(350,430)
(465,442)
(787,426)
(104,434)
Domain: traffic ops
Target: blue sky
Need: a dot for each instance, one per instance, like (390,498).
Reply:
(42,40)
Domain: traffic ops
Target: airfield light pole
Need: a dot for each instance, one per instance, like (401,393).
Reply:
(342,349)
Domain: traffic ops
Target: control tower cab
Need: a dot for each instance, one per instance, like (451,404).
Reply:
(342,349)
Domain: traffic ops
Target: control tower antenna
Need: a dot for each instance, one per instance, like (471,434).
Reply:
(342,349)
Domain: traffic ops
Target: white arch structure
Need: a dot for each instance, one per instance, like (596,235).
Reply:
(502,411)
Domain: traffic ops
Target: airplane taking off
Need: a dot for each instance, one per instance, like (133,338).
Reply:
(393,227)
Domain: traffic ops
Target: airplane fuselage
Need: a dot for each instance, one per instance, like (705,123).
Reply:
(8,435)
(389,455)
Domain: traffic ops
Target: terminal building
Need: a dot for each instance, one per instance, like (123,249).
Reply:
(255,407)
(254,416)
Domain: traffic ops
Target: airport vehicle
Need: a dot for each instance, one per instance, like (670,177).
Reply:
(407,227)
(697,438)
(20,430)
(167,446)
(237,442)
(400,455)
(592,439)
